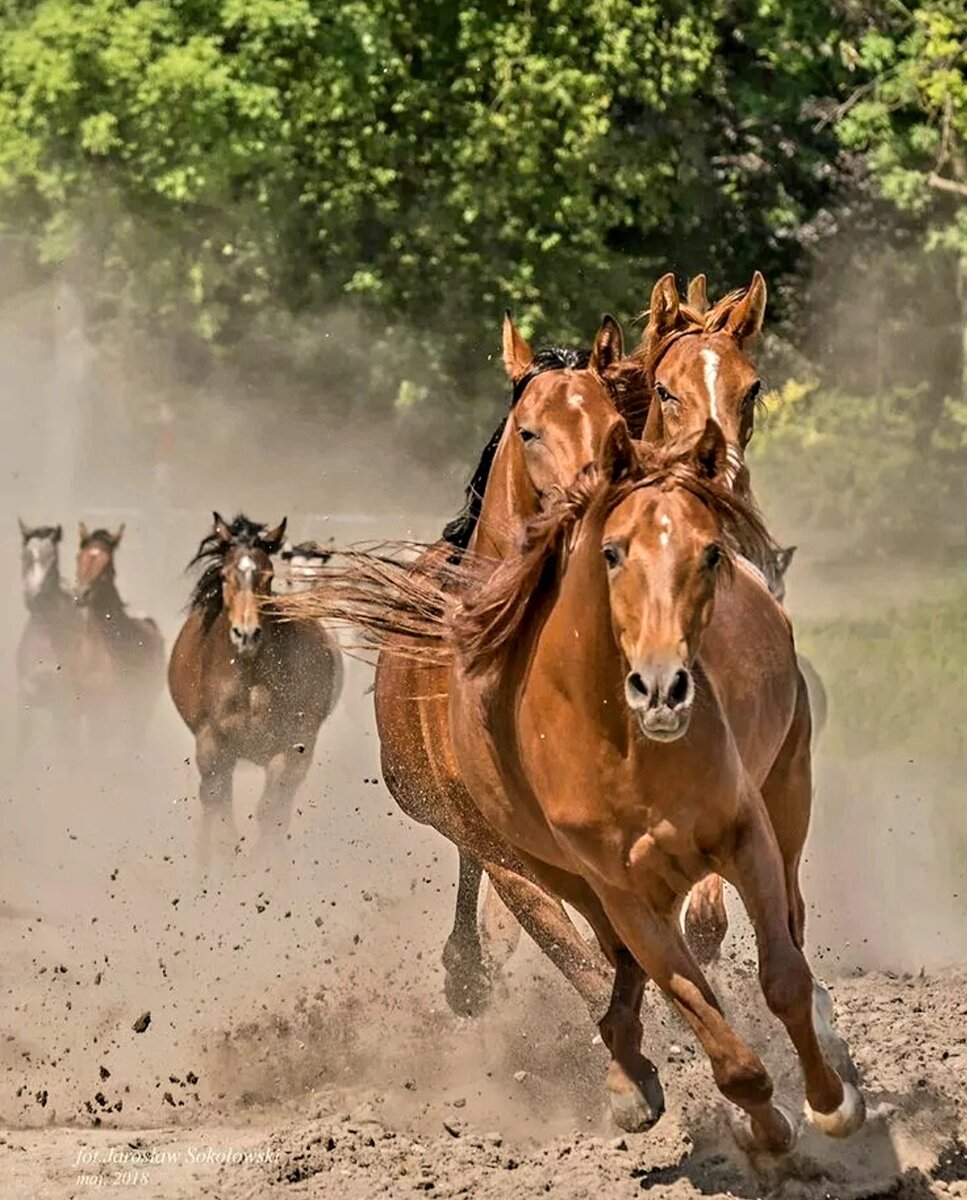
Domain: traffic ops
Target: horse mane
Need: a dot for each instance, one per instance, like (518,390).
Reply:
(206,595)
(459,531)
(711,321)
(100,537)
(46,533)
(491,619)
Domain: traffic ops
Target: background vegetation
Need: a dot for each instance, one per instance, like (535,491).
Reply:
(345,195)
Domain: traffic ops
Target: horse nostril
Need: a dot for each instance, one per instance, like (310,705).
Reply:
(256,633)
(678,691)
(637,684)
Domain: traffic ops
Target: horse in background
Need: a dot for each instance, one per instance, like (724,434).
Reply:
(119,657)
(303,562)
(46,646)
(249,685)
(818,699)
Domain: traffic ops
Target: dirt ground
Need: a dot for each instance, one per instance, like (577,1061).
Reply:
(299,1044)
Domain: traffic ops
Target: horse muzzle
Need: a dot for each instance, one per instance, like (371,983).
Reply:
(246,640)
(661,699)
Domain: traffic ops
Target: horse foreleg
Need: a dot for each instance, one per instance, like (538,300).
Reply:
(499,930)
(658,944)
(284,775)
(634,1089)
(834,1104)
(217,828)
(467,983)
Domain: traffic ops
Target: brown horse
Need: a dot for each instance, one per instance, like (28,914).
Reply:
(248,685)
(560,419)
(119,658)
(627,711)
(46,647)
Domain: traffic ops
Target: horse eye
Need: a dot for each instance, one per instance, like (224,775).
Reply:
(612,554)
(664,395)
(753,393)
(713,556)
(527,435)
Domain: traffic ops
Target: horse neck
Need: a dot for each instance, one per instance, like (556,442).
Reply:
(49,598)
(105,601)
(509,501)
(577,641)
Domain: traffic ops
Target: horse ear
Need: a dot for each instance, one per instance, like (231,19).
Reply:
(24,531)
(272,539)
(58,534)
(710,454)
(518,355)
(220,528)
(116,537)
(698,294)
(83,532)
(608,345)
(745,320)
(618,453)
(664,312)
(786,555)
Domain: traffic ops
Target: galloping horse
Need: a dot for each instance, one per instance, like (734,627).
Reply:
(46,646)
(119,658)
(248,685)
(626,711)
(560,418)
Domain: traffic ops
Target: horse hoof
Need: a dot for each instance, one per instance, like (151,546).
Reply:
(843,1121)
(754,1141)
(636,1104)
(467,992)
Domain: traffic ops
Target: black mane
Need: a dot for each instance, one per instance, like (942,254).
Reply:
(459,531)
(103,537)
(206,595)
(46,533)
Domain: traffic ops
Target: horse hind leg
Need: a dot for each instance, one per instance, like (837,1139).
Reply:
(706,919)
(468,983)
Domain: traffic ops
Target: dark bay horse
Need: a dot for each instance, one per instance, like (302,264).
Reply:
(46,647)
(248,685)
(627,712)
(119,658)
(560,418)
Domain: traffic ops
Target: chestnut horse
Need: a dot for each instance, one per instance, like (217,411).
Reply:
(248,685)
(560,418)
(119,658)
(46,647)
(626,710)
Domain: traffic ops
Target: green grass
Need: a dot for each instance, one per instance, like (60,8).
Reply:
(897,680)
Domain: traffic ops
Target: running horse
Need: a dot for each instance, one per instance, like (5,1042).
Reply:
(119,657)
(560,417)
(248,685)
(46,646)
(627,712)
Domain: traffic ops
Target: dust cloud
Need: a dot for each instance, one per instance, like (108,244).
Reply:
(311,990)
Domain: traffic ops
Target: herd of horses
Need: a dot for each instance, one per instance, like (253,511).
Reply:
(589,685)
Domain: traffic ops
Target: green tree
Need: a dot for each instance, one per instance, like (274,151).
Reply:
(908,117)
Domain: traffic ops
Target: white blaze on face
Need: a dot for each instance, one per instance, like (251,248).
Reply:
(711,361)
(246,568)
(575,400)
(665,524)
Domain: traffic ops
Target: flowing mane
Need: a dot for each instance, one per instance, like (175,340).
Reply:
(713,321)
(206,595)
(491,619)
